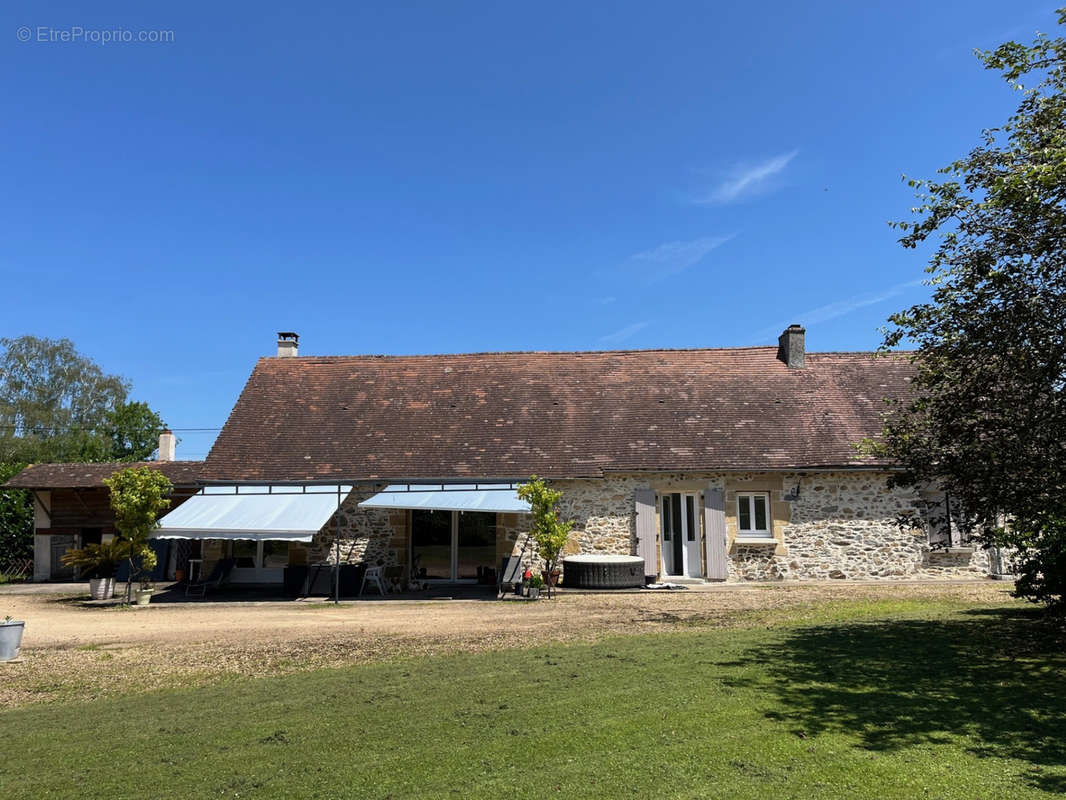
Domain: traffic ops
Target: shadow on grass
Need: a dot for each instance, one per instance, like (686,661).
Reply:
(992,676)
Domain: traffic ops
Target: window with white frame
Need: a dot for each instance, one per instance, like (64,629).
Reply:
(753,515)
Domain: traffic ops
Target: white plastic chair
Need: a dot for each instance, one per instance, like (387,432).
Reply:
(376,576)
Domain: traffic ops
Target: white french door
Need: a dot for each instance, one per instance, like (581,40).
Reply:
(680,535)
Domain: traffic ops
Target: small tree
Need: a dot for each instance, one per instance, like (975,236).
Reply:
(138,496)
(547,529)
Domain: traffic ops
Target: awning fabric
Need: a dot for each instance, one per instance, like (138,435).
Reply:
(284,514)
(490,497)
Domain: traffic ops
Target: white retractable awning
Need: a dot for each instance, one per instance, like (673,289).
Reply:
(490,497)
(289,514)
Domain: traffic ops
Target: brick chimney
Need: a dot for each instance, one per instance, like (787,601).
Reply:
(168,443)
(288,344)
(790,346)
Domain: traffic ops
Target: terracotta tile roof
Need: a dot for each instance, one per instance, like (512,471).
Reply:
(507,415)
(91,476)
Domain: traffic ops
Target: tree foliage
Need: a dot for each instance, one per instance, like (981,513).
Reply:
(987,421)
(59,405)
(138,496)
(133,431)
(16,519)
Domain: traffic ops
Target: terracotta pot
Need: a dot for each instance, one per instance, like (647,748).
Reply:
(550,578)
(179,575)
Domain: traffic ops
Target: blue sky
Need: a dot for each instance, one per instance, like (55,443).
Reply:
(446,177)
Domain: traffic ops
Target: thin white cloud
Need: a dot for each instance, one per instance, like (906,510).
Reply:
(606,301)
(747,179)
(839,308)
(671,258)
(624,333)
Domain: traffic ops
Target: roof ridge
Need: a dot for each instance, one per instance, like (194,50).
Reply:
(633,351)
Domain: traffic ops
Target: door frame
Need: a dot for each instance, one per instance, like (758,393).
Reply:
(690,561)
(454,565)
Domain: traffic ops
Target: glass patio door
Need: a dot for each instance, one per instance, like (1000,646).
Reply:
(475,544)
(431,545)
(452,545)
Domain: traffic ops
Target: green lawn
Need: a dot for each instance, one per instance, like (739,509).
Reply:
(865,701)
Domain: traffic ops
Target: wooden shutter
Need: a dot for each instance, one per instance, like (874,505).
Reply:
(646,544)
(714,525)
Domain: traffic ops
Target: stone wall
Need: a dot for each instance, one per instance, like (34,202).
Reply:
(372,535)
(845,526)
(840,525)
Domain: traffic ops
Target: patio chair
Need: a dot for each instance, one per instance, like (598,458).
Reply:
(510,573)
(375,576)
(219,575)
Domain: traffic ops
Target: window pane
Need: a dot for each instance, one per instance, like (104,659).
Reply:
(245,552)
(690,517)
(431,544)
(744,510)
(675,514)
(275,554)
(667,524)
(760,512)
(477,543)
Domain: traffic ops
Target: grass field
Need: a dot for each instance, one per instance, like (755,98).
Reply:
(885,700)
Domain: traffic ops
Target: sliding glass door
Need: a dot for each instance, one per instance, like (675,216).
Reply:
(452,545)
(431,545)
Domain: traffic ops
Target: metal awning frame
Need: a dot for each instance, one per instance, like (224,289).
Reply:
(458,486)
(335,487)
(296,488)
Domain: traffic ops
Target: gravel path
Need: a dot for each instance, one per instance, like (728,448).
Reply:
(75,651)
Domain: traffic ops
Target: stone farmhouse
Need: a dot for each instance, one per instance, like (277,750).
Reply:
(735,464)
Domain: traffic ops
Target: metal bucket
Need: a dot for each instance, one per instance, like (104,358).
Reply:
(10,639)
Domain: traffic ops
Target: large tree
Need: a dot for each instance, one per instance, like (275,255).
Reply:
(987,421)
(59,405)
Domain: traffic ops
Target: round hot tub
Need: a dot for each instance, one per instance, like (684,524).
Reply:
(603,572)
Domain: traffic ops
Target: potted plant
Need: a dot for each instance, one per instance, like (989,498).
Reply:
(548,531)
(146,564)
(533,586)
(99,562)
(11,638)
